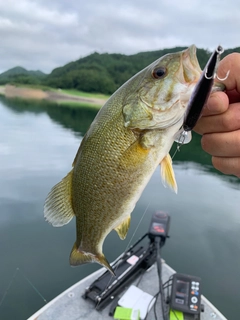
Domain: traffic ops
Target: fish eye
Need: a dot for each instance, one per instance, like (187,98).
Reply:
(159,72)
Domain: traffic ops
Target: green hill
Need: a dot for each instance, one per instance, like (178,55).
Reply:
(21,75)
(20,70)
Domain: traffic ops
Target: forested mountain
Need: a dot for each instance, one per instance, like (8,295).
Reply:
(102,73)
(21,75)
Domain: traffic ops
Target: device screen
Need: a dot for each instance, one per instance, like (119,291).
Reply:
(182,292)
(158,228)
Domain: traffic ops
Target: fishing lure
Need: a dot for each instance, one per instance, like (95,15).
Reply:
(199,97)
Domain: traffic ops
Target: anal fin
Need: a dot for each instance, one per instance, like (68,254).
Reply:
(58,206)
(78,257)
(167,173)
(122,229)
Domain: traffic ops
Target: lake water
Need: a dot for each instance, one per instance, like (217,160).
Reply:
(38,143)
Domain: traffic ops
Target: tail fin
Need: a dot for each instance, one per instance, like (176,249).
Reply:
(77,257)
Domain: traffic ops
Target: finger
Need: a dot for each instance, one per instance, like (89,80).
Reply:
(222,144)
(217,103)
(227,165)
(225,122)
(230,63)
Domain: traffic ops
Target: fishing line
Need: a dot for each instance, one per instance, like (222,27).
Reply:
(177,150)
(28,280)
(137,226)
(9,286)
(180,138)
(129,243)
(32,285)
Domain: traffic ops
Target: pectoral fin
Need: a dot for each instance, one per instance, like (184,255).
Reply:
(78,257)
(58,206)
(122,229)
(167,173)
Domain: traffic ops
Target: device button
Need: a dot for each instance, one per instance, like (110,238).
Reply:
(197,283)
(194,299)
(192,306)
(196,293)
(193,287)
(193,283)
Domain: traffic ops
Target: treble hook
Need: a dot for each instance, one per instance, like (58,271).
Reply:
(222,79)
(219,51)
(202,90)
(216,76)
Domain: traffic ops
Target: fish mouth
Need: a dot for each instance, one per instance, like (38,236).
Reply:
(191,67)
(192,70)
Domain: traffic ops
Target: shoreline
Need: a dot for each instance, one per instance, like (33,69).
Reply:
(11,91)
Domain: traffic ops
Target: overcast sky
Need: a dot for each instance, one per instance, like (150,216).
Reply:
(45,34)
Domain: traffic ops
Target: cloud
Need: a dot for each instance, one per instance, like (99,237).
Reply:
(46,34)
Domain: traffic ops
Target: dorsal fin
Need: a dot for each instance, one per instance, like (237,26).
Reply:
(58,206)
(122,229)
(167,173)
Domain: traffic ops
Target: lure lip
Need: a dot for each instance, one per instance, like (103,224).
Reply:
(202,90)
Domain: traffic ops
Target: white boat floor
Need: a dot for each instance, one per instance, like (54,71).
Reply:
(70,305)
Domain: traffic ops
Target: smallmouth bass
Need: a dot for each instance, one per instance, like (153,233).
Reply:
(130,136)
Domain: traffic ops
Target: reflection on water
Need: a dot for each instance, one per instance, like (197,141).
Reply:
(77,120)
(38,143)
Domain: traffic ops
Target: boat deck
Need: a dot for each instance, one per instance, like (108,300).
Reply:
(70,304)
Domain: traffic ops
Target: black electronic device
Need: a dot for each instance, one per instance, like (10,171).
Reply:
(132,263)
(186,293)
(159,225)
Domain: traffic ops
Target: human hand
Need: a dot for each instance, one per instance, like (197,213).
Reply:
(220,121)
